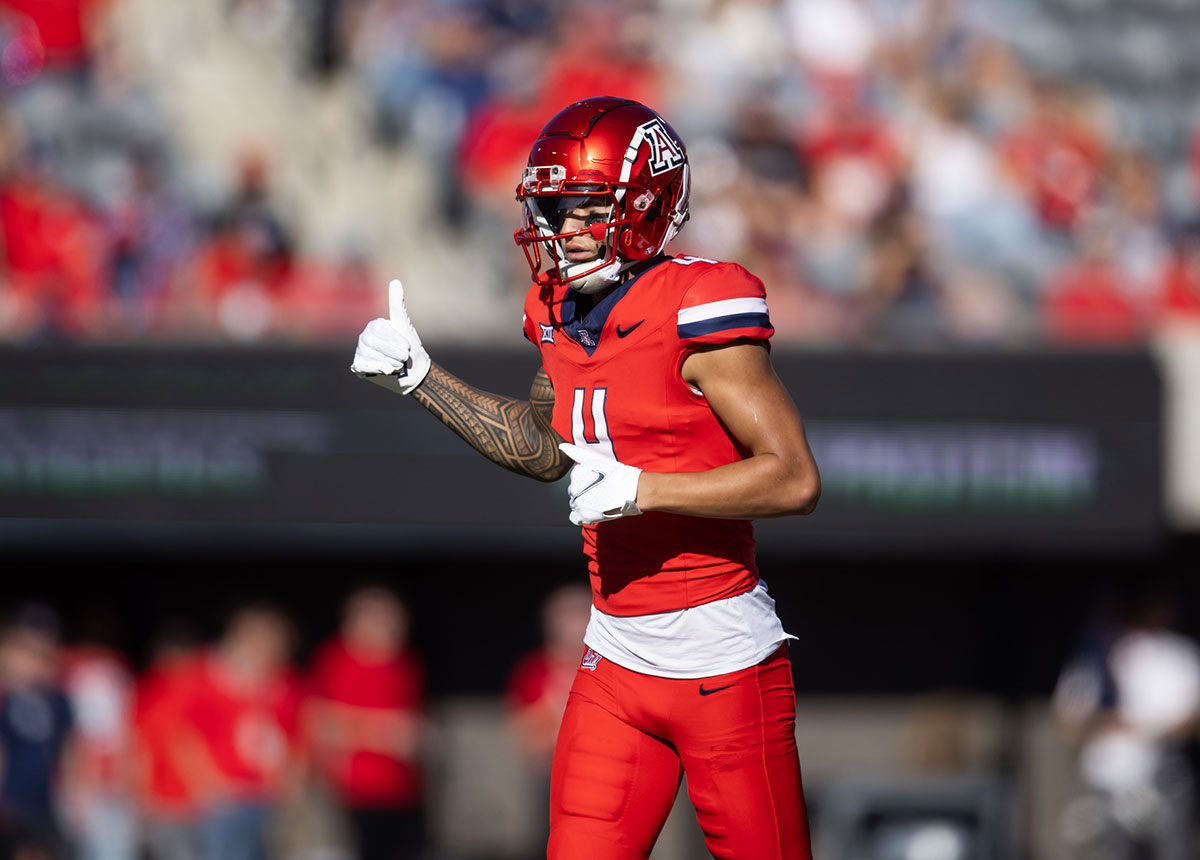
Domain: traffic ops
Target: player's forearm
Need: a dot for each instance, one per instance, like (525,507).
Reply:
(765,485)
(511,433)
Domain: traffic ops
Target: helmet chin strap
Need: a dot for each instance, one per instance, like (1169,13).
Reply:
(597,281)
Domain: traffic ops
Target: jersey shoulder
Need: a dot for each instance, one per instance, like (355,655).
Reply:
(719,302)
(536,324)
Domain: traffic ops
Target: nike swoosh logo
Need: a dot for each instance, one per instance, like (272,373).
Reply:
(625,332)
(704,692)
(599,477)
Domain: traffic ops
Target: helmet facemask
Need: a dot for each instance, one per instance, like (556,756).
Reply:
(568,219)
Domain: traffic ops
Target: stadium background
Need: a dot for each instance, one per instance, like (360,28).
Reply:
(979,224)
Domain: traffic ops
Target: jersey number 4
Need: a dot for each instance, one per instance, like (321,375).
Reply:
(589,425)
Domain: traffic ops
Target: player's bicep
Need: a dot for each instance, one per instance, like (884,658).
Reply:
(541,402)
(541,406)
(744,392)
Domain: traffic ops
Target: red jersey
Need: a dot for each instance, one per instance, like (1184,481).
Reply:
(615,369)
(368,777)
(164,786)
(538,679)
(249,729)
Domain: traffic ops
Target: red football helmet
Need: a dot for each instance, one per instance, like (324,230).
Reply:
(602,151)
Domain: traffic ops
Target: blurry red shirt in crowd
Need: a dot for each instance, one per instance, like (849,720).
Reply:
(249,730)
(849,130)
(231,257)
(1181,285)
(568,80)
(163,786)
(496,143)
(538,685)
(22,207)
(53,249)
(329,299)
(1086,304)
(536,696)
(496,139)
(1059,162)
(377,699)
(63,26)
(852,159)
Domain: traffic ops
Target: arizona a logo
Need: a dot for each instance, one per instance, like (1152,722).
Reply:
(664,151)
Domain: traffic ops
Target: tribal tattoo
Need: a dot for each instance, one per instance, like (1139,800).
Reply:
(515,434)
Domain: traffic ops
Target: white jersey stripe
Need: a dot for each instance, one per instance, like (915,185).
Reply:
(725,308)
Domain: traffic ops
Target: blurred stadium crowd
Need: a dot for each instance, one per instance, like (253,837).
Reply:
(937,172)
(230,750)
(254,744)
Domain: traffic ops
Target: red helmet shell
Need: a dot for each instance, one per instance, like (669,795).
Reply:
(630,150)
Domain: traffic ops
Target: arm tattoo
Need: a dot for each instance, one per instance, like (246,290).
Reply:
(515,434)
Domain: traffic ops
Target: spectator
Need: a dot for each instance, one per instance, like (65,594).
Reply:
(99,683)
(364,719)
(1139,223)
(1180,298)
(243,268)
(1086,302)
(53,246)
(1131,701)
(238,753)
(35,731)
(168,807)
(1003,156)
(1058,155)
(62,28)
(148,234)
(537,688)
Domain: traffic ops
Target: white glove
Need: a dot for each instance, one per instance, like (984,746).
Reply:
(601,488)
(389,351)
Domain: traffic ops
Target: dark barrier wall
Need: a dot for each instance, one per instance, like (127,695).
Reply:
(132,447)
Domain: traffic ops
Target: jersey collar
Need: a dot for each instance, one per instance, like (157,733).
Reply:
(585,329)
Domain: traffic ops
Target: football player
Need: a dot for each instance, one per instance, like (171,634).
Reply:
(657,393)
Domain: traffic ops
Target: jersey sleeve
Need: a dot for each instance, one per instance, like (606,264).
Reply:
(725,303)
(533,311)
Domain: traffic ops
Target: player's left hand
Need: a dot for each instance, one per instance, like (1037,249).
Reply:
(601,488)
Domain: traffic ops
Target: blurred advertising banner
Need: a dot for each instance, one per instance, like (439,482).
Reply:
(285,448)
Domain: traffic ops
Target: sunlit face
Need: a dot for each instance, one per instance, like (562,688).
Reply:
(575,231)
(586,247)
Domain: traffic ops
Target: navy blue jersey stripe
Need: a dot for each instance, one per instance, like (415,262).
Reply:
(702,327)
